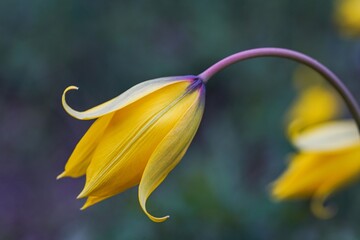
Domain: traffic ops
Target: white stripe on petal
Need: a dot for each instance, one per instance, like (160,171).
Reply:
(327,137)
(131,95)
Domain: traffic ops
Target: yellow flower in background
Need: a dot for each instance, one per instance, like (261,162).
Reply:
(314,105)
(316,102)
(328,151)
(137,139)
(328,158)
(347,17)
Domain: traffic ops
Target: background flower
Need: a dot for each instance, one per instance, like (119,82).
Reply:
(326,151)
(326,160)
(347,17)
(316,102)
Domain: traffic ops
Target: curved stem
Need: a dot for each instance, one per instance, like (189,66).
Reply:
(293,55)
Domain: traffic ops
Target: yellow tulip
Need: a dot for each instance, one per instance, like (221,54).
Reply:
(328,159)
(328,151)
(347,16)
(137,138)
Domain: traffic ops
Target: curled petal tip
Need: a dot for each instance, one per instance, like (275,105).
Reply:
(152,218)
(320,210)
(74,113)
(158,220)
(71,88)
(142,201)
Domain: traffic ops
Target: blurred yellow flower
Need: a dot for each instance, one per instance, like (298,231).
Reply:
(314,105)
(328,158)
(316,102)
(328,152)
(137,139)
(347,16)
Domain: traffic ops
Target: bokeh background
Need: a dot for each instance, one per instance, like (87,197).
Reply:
(220,190)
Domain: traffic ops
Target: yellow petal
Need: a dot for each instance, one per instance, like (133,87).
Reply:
(342,168)
(330,136)
(131,137)
(314,105)
(317,174)
(80,158)
(91,200)
(347,16)
(131,95)
(169,152)
(299,180)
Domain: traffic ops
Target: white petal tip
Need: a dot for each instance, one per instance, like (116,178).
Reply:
(61,175)
(84,207)
(81,195)
(71,88)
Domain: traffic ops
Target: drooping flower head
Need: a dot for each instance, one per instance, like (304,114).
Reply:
(141,135)
(328,151)
(137,138)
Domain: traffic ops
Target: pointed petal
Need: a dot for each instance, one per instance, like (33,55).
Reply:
(81,156)
(131,95)
(328,137)
(298,180)
(169,152)
(131,137)
(91,200)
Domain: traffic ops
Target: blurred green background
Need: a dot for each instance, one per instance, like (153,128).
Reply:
(220,190)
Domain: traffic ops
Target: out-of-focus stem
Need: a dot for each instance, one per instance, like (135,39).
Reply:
(293,55)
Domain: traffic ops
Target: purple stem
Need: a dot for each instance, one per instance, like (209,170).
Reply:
(293,55)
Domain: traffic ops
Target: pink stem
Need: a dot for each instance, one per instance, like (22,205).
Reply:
(293,55)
